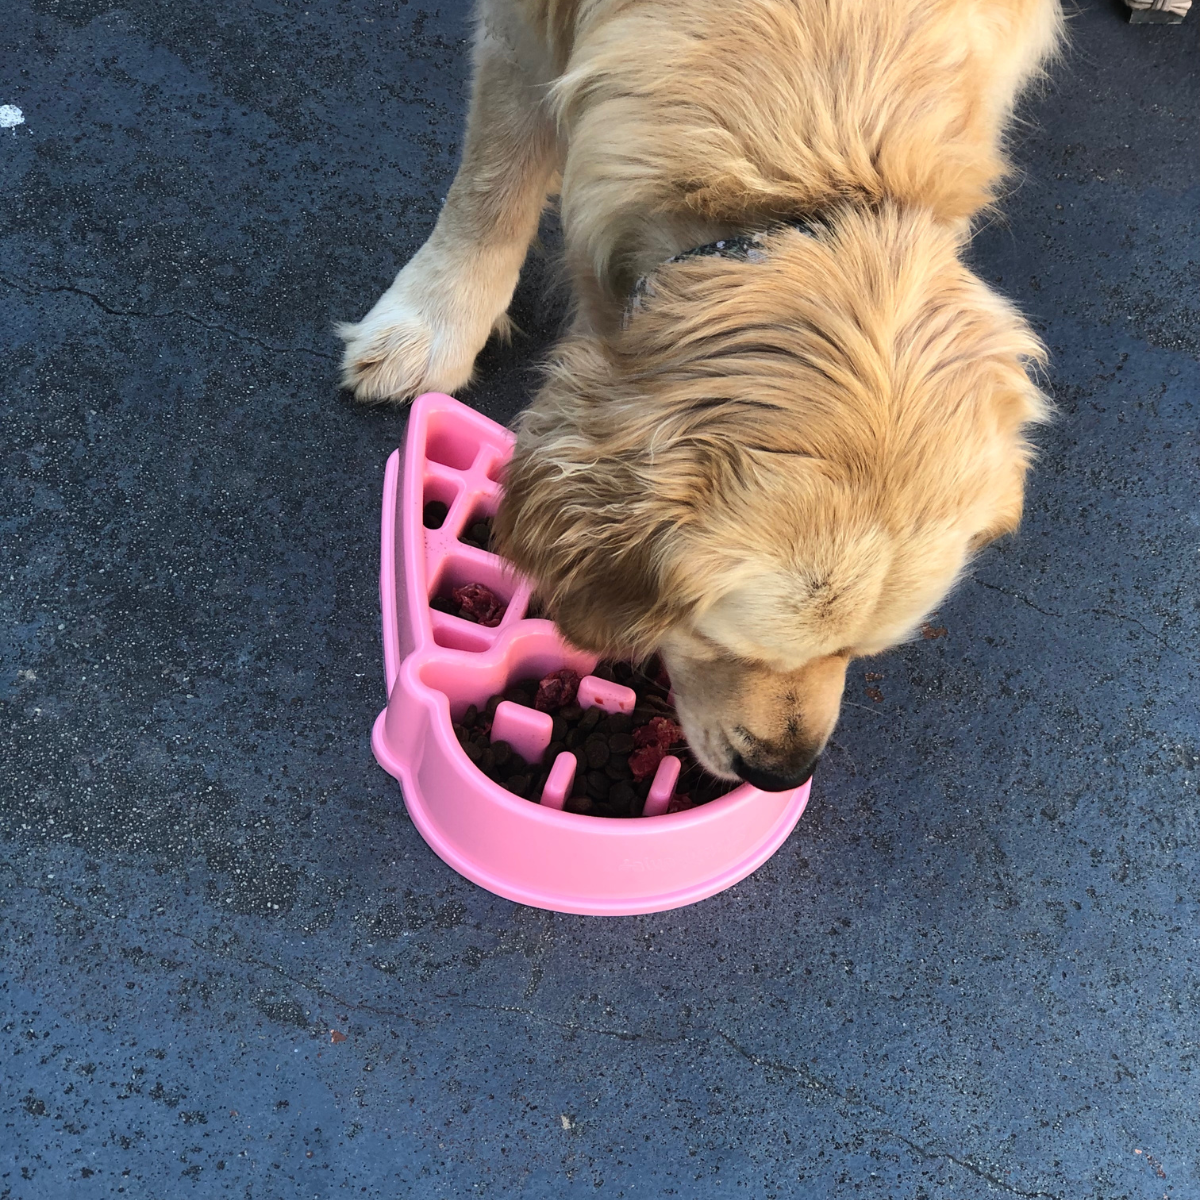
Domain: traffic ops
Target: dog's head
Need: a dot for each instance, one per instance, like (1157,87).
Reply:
(777,467)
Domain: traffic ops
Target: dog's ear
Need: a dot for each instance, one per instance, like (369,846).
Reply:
(591,534)
(597,501)
(598,575)
(998,351)
(985,537)
(1016,404)
(1005,501)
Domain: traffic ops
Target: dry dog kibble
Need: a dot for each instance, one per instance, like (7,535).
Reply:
(434,514)
(596,751)
(478,534)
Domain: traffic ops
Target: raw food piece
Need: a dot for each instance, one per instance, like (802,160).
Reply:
(653,740)
(660,731)
(479,604)
(644,761)
(557,690)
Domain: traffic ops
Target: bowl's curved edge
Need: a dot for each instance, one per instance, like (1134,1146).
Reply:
(583,905)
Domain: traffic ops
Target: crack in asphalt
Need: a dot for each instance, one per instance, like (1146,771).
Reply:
(973,1168)
(32,289)
(1083,612)
(623,1035)
(222,952)
(812,1080)
(317,989)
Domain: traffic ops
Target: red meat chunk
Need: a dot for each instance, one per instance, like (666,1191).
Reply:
(659,731)
(558,689)
(478,603)
(644,761)
(653,740)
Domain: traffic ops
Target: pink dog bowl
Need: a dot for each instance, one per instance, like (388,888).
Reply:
(437,665)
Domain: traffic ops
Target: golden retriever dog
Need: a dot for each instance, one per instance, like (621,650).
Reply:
(785,414)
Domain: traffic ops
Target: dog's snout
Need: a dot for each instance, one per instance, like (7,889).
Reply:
(774,780)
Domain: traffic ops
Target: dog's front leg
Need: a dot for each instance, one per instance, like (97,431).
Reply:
(424,332)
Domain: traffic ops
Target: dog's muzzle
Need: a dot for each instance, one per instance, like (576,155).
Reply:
(771,781)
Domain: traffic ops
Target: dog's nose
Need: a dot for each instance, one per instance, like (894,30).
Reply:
(770,781)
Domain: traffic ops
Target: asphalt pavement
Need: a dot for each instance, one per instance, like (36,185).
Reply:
(231,966)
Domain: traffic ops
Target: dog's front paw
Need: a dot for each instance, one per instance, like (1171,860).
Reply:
(422,335)
(397,352)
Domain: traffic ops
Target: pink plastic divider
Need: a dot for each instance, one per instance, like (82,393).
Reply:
(558,783)
(600,693)
(663,787)
(526,730)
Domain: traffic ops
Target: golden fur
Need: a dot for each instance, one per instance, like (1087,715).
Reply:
(763,468)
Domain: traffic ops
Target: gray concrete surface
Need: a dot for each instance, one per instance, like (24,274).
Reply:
(972,970)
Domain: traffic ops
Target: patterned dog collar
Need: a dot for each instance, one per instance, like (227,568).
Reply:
(746,247)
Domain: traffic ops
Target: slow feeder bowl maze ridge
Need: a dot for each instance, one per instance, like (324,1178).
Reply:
(437,665)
